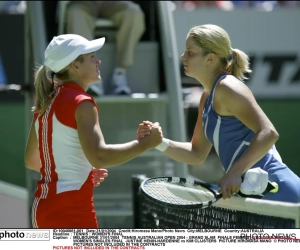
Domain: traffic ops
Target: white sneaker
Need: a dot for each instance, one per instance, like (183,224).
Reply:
(96,89)
(119,83)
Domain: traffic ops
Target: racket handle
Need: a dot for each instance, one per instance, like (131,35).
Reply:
(271,188)
(275,189)
(219,196)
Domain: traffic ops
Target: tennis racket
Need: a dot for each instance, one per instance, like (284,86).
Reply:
(176,192)
(179,192)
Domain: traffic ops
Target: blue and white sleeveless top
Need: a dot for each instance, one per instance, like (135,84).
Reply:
(230,137)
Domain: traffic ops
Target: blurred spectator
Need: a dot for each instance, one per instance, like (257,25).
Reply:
(288,3)
(192,5)
(259,5)
(9,7)
(231,5)
(127,16)
(13,7)
(264,5)
(3,79)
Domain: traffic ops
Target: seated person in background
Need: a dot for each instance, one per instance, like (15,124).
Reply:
(127,16)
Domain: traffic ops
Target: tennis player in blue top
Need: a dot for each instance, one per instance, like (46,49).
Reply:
(229,118)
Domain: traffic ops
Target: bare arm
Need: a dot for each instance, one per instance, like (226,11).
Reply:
(99,154)
(240,102)
(32,155)
(194,152)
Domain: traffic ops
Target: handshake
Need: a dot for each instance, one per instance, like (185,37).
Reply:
(151,135)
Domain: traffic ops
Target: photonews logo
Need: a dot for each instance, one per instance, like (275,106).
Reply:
(24,235)
(11,235)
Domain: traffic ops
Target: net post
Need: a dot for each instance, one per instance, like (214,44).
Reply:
(136,181)
(298,220)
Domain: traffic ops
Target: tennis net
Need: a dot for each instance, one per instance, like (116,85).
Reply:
(235,212)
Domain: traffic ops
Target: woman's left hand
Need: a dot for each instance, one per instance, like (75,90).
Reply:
(99,175)
(229,185)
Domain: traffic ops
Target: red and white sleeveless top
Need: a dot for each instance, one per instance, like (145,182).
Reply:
(65,167)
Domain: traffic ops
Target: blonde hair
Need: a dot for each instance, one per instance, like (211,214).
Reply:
(44,88)
(213,39)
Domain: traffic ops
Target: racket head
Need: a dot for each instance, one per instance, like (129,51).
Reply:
(182,193)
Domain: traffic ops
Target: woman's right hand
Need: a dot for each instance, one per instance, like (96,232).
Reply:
(144,129)
(150,133)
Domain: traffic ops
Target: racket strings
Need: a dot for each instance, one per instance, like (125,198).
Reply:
(160,191)
(179,193)
(205,193)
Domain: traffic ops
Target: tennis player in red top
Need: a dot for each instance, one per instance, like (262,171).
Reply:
(65,142)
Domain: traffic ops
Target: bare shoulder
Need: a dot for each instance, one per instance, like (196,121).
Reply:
(230,88)
(231,94)
(86,109)
(86,105)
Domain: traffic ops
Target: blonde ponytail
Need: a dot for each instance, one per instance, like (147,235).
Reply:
(44,91)
(239,64)
(44,88)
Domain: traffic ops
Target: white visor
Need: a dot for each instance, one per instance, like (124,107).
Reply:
(64,49)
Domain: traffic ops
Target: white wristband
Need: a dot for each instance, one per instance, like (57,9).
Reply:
(163,145)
